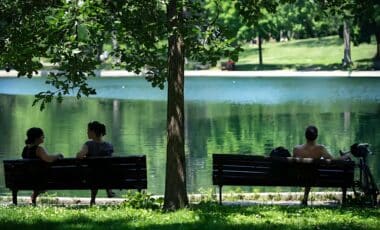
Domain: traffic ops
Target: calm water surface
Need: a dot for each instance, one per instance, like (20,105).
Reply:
(223,115)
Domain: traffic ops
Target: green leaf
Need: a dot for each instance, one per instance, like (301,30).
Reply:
(83,33)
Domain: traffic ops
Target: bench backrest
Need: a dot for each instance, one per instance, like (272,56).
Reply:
(233,169)
(70,173)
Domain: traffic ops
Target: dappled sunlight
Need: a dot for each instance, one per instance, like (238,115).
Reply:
(204,216)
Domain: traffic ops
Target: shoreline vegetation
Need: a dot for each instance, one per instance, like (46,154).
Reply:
(219,73)
(231,197)
(308,58)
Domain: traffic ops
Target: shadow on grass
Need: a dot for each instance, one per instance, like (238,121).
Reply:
(288,66)
(336,66)
(310,43)
(79,223)
(185,226)
(217,209)
(365,60)
(214,216)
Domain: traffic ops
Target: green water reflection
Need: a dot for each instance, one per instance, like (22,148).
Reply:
(138,126)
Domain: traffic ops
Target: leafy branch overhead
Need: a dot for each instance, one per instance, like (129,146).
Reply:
(68,34)
(71,34)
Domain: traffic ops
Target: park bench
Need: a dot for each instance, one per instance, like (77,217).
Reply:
(72,174)
(249,170)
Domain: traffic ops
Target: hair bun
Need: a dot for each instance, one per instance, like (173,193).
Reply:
(103,128)
(97,127)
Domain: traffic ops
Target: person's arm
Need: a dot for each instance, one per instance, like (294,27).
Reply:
(325,153)
(44,155)
(83,152)
(295,152)
(111,150)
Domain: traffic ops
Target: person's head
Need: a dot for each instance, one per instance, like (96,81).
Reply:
(95,129)
(35,136)
(311,133)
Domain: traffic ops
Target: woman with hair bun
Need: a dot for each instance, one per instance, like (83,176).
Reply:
(96,147)
(33,150)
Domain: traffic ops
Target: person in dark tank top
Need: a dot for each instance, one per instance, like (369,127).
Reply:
(96,147)
(33,150)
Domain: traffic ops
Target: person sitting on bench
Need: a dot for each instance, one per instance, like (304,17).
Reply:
(96,147)
(32,150)
(311,150)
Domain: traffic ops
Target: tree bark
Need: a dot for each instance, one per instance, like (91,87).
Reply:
(376,61)
(260,51)
(347,61)
(377,35)
(175,184)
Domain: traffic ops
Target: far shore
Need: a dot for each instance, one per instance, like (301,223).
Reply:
(219,73)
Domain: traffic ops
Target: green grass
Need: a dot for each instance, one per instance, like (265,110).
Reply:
(307,54)
(203,216)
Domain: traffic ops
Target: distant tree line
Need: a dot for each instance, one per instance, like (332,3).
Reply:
(353,20)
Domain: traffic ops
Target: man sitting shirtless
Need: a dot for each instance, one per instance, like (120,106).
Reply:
(311,150)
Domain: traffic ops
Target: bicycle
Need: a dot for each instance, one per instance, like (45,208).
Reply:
(365,188)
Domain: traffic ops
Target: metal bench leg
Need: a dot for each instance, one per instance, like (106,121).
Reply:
(94,192)
(306,196)
(220,194)
(14,197)
(374,196)
(344,194)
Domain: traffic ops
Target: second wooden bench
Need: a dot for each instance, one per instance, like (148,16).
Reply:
(249,170)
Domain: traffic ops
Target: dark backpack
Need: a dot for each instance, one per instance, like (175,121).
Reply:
(280,152)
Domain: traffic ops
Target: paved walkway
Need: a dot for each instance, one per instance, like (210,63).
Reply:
(218,73)
(232,199)
(69,201)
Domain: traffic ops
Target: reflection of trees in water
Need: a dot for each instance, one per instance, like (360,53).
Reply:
(251,128)
(139,127)
(197,132)
(116,131)
(7,107)
(369,131)
(142,130)
(7,150)
(258,128)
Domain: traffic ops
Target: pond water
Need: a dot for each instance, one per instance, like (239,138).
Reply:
(223,115)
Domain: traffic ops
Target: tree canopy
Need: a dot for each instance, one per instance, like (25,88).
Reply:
(363,14)
(155,35)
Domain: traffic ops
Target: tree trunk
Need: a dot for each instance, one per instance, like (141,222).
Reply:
(376,61)
(377,35)
(260,51)
(99,48)
(347,45)
(175,185)
(115,46)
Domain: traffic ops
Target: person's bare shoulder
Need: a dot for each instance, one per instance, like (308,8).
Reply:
(321,148)
(40,149)
(324,152)
(296,150)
